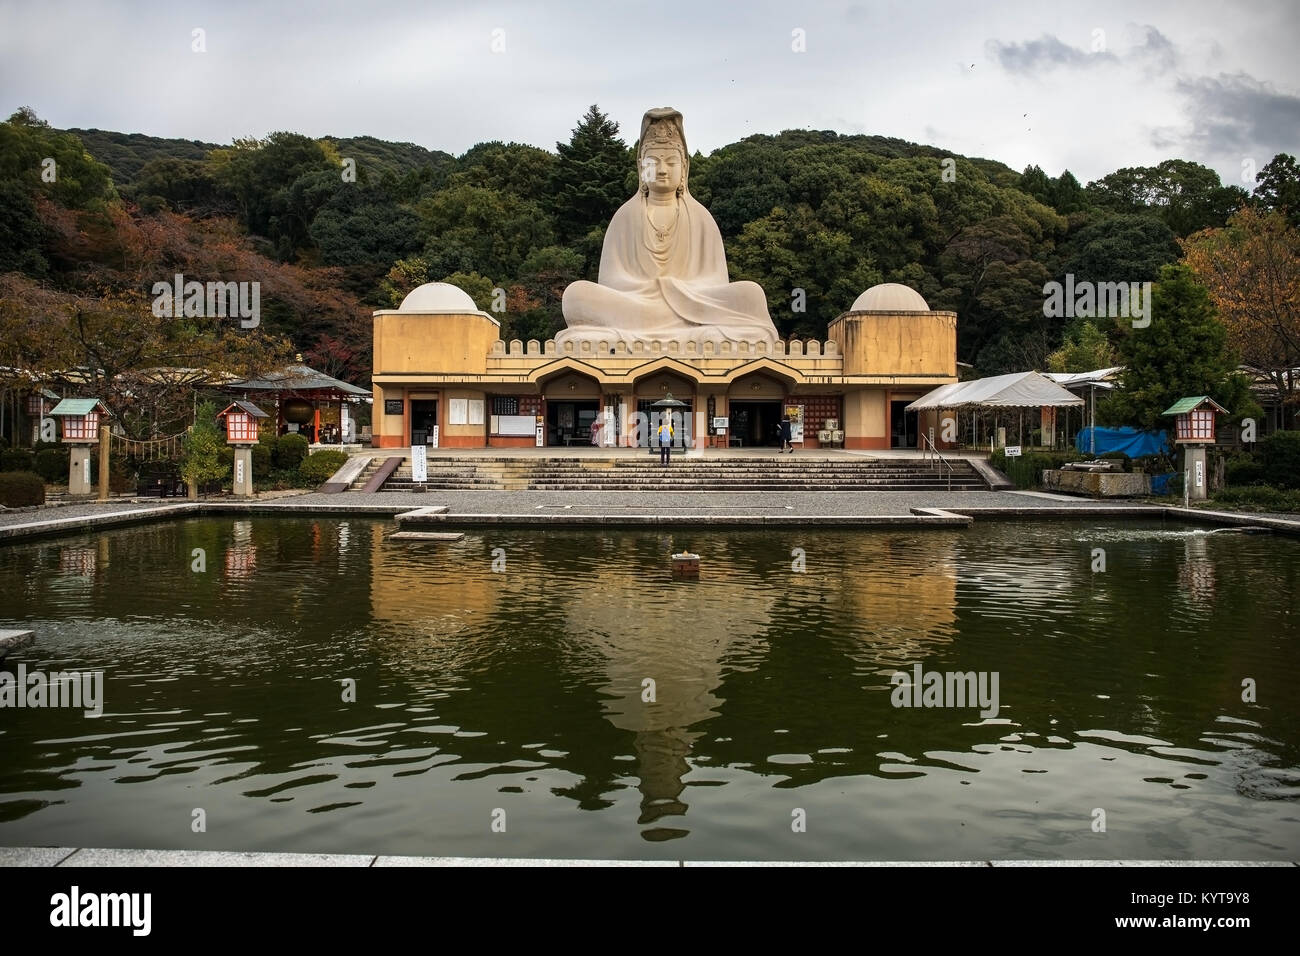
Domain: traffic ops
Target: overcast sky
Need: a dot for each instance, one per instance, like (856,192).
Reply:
(1088,86)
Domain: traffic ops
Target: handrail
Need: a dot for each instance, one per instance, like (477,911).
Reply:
(925,440)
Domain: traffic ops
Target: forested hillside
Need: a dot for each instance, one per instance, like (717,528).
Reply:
(336,227)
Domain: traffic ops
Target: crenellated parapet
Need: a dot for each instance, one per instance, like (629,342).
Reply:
(808,358)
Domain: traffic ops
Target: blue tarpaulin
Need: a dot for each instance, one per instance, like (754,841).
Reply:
(1160,483)
(1134,443)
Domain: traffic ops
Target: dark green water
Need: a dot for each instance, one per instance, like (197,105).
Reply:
(522,691)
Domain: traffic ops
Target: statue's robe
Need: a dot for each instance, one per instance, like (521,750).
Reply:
(681,293)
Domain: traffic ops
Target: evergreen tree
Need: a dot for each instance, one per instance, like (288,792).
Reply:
(1184,351)
(1279,187)
(590,180)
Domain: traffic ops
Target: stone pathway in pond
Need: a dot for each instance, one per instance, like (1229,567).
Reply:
(579,507)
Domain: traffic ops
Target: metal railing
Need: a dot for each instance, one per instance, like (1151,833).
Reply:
(928,448)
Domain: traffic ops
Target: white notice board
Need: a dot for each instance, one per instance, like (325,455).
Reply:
(515,424)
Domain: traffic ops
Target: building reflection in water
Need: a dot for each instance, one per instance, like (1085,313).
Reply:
(618,620)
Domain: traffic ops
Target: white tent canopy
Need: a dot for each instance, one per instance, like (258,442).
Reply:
(1017,390)
(1100,378)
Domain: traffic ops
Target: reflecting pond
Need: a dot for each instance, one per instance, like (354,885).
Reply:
(310,685)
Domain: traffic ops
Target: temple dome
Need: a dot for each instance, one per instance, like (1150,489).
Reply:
(438,297)
(890,297)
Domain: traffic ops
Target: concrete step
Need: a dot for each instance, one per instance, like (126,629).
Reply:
(761,473)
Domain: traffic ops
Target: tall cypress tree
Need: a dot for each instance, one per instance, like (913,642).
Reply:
(1183,352)
(589,182)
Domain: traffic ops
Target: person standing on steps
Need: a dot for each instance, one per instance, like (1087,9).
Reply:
(785,436)
(665,439)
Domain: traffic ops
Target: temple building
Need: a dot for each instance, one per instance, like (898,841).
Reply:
(440,362)
(664,331)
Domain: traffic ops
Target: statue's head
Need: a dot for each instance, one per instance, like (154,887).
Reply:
(662,159)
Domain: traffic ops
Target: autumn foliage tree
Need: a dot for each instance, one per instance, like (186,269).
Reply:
(1251,268)
(113,346)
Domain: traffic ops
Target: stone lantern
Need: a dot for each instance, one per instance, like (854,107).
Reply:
(81,422)
(241,420)
(1194,428)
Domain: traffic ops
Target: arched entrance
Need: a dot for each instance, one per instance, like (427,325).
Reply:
(571,403)
(657,385)
(754,407)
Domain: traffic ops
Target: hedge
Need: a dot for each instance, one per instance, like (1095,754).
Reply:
(16,459)
(18,489)
(1260,498)
(1279,454)
(290,450)
(52,465)
(320,466)
(262,459)
(1243,471)
(1027,470)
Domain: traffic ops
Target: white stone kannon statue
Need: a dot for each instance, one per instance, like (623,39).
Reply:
(663,271)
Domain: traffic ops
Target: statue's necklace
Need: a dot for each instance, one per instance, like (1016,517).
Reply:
(661,235)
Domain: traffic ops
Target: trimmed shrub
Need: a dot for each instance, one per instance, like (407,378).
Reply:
(16,459)
(1260,498)
(318,467)
(52,464)
(18,489)
(1027,470)
(261,460)
(290,450)
(1279,454)
(1243,471)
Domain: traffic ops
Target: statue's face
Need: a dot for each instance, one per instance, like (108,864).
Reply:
(661,170)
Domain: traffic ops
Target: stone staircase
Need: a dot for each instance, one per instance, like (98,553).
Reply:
(643,473)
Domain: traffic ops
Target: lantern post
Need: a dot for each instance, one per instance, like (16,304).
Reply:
(1194,429)
(241,420)
(81,419)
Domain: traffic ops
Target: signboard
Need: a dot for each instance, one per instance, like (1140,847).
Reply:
(1200,473)
(419,464)
(1012,451)
(607,431)
(515,425)
(541,431)
(392,406)
(433,436)
(239,470)
(345,430)
(795,414)
(720,424)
